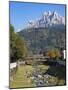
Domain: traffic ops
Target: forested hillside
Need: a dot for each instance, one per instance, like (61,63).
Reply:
(44,38)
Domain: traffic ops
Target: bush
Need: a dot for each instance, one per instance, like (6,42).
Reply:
(53,54)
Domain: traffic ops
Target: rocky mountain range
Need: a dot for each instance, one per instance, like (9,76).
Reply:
(48,19)
(48,32)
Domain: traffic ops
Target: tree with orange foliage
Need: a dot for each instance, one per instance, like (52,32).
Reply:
(53,54)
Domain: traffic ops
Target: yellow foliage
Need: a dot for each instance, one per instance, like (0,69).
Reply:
(53,54)
(57,53)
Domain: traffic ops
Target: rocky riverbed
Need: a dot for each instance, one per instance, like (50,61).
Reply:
(40,77)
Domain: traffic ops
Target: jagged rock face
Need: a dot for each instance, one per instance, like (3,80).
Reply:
(49,19)
(47,32)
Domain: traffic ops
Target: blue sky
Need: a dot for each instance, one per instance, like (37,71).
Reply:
(21,13)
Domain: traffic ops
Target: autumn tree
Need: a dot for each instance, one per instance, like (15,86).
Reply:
(53,54)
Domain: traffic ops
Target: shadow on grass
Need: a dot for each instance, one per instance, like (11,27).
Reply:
(57,70)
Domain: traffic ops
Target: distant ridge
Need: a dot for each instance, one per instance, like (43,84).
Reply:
(48,19)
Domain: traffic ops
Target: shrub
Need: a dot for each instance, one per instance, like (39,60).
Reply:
(53,54)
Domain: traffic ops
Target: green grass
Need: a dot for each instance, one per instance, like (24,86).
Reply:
(20,78)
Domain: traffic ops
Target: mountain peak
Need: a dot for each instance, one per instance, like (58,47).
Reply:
(55,13)
(47,13)
(49,19)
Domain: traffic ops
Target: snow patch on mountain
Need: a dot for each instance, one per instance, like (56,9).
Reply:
(48,19)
